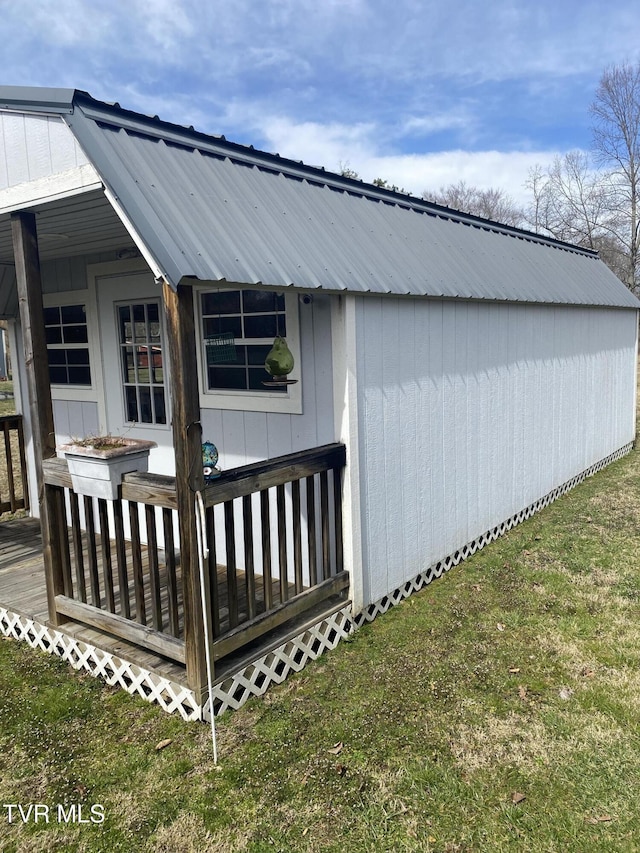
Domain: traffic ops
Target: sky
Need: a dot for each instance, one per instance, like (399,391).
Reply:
(423,93)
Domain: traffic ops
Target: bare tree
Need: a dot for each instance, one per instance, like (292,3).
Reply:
(616,141)
(492,204)
(574,202)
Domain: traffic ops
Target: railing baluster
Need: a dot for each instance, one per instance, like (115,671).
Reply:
(65,555)
(23,465)
(230,543)
(265,523)
(92,554)
(154,571)
(136,559)
(8,452)
(297,535)
(170,563)
(247,526)
(78,556)
(337,518)
(282,545)
(324,520)
(214,591)
(121,558)
(311,530)
(105,547)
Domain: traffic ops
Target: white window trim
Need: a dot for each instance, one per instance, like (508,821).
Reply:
(83,393)
(253,401)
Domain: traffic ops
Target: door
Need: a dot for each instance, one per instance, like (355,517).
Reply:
(133,341)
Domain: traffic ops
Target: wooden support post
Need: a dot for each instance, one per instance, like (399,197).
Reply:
(25,250)
(187,443)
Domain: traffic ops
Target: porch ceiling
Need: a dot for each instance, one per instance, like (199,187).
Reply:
(80,225)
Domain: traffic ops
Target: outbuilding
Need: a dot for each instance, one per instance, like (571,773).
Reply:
(451,376)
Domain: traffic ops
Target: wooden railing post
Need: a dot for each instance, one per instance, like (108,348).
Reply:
(187,443)
(25,249)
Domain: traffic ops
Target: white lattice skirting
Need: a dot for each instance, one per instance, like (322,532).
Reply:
(171,696)
(436,570)
(273,667)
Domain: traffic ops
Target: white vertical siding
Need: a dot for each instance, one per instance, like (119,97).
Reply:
(470,412)
(33,147)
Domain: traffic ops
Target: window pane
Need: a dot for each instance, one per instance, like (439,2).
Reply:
(53,335)
(124,316)
(146,412)
(258,353)
(75,334)
(79,376)
(158,399)
(263,326)
(142,354)
(73,314)
(131,403)
(129,372)
(58,375)
(52,316)
(78,356)
(227,377)
(57,356)
(222,302)
(222,325)
(157,372)
(258,301)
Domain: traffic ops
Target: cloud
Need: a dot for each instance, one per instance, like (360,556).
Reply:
(336,145)
(419,92)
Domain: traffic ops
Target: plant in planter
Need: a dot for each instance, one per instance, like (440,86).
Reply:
(97,463)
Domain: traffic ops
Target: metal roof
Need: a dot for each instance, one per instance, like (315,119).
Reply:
(204,208)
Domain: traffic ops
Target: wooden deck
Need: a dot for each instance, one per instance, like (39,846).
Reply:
(23,591)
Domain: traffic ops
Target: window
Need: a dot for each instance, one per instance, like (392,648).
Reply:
(237,330)
(67,339)
(142,362)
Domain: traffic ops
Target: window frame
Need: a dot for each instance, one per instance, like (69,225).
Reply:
(81,393)
(250,400)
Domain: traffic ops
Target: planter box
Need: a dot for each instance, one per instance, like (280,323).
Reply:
(98,472)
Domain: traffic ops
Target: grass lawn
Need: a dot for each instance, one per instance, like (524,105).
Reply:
(496,710)
(7,407)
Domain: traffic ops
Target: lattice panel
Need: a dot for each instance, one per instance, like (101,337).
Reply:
(170,695)
(274,667)
(435,571)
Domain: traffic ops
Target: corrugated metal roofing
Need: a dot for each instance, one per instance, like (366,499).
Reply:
(208,209)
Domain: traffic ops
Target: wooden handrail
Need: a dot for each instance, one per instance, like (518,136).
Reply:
(238,482)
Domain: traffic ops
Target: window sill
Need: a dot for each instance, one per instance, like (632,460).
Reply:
(245,401)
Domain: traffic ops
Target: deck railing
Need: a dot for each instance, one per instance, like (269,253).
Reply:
(277,528)
(14,491)
(274,532)
(120,561)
